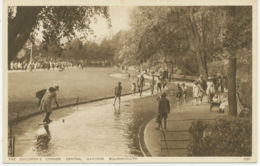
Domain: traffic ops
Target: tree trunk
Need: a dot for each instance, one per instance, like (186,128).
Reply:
(232,100)
(203,69)
(20,28)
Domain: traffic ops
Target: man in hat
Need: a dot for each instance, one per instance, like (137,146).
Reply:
(118,90)
(163,110)
(42,92)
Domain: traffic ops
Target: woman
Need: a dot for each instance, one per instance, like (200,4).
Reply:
(184,92)
(196,93)
(46,103)
(210,89)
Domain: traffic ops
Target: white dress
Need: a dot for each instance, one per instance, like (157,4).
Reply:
(196,91)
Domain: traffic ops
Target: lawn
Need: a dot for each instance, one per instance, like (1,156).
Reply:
(87,84)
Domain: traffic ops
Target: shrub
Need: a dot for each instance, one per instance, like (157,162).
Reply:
(221,138)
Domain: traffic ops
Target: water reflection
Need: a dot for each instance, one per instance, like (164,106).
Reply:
(117,110)
(95,129)
(42,141)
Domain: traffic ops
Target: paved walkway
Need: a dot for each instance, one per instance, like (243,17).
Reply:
(175,139)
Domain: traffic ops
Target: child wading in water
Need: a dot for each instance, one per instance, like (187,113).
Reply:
(46,103)
(118,90)
(133,88)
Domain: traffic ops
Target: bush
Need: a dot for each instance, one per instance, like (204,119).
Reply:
(221,138)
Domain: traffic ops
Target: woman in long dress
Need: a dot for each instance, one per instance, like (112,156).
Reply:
(196,93)
(210,89)
(46,103)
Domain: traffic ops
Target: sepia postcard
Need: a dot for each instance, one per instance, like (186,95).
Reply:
(129,81)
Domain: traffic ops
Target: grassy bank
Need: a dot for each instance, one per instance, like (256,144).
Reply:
(87,84)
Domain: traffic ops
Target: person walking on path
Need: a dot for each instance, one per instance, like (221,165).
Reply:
(163,110)
(133,88)
(184,92)
(141,81)
(152,85)
(196,93)
(118,90)
(46,103)
(203,86)
(159,85)
(178,94)
(219,83)
(41,93)
(138,84)
(210,89)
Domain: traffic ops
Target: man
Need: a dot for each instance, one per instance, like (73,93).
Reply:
(118,90)
(152,85)
(141,84)
(46,103)
(41,93)
(163,109)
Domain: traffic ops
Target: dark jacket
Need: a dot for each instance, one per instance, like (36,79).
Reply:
(164,106)
(40,93)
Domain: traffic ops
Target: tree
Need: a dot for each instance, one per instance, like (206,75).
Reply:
(54,22)
(238,36)
(179,32)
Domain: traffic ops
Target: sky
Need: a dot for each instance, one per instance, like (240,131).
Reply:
(120,17)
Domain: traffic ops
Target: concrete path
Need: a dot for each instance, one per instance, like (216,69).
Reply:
(175,140)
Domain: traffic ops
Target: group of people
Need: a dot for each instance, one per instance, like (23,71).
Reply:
(138,85)
(181,93)
(212,88)
(40,65)
(201,88)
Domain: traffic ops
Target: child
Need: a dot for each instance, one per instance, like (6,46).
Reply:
(133,88)
(178,94)
(46,103)
(184,92)
(118,90)
(223,105)
(215,102)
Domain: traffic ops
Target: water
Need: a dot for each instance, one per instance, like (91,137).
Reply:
(95,129)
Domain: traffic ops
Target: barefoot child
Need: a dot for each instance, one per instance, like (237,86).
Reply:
(118,90)
(46,103)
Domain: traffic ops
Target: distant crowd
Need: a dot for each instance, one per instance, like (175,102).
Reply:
(42,65)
